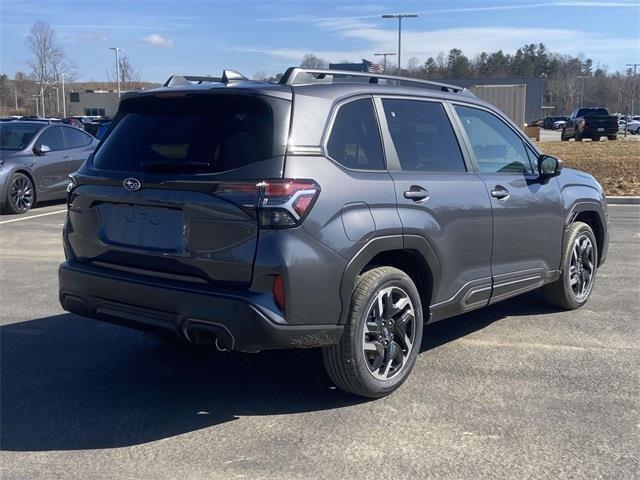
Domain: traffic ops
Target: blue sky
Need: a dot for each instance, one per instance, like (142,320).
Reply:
(162,37)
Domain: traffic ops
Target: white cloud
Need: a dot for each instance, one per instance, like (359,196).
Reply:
(157,40)
(471,41)
(96,36)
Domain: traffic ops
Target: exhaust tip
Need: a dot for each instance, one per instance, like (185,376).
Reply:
(205,333)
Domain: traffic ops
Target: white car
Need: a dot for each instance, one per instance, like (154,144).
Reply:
(558,124)
(633,126)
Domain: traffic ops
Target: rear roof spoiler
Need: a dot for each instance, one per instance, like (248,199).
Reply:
(228,76)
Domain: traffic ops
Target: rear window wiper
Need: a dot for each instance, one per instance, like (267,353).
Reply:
(174,164)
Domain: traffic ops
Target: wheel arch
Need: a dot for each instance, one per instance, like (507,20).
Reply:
(410,253)
(593,215)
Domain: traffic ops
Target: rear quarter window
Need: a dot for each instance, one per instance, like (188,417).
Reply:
(354,141)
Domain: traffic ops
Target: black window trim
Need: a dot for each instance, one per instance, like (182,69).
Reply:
(393,162)
(329,128)
(50,127)
(508,123)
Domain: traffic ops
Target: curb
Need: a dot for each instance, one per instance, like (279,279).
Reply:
(621,200)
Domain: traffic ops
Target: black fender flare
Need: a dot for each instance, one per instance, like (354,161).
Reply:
(379,245)
(587,205)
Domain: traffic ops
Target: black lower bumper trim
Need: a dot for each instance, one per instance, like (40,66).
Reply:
(192,315)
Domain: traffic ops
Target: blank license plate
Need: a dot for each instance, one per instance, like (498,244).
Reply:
(601,129)
(142,227)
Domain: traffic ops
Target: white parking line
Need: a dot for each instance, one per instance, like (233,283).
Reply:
(32,216)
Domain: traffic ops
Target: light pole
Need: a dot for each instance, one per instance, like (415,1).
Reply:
(384,62)
(57,101)
(37,100)
(42,98)
(64,100)
(633,91)
(582,77)
(117,50)
(633,94)
(400,16)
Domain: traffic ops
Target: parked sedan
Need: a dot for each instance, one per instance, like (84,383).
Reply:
(633,127)
(36,158)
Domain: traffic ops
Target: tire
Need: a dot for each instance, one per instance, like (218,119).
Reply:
(21,194)
(387,361)
(562,292)
(562,136)
(612,137)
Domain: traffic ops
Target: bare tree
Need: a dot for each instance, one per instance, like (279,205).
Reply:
(412,64)
(261,76)
(130,77)
(311,61)
(48,60)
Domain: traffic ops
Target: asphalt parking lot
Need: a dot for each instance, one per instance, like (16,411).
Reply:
(516,390)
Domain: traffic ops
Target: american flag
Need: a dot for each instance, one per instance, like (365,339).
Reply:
(375,68)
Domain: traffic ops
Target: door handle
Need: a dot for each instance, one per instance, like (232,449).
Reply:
(500,193)
(416,193)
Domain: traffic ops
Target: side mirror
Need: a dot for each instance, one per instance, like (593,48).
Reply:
(549,166)
(41,150)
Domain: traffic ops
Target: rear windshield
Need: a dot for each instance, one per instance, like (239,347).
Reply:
(16,136)
(593,112)
(196,133)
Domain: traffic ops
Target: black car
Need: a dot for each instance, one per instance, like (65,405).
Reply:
(340,210)
(36,158)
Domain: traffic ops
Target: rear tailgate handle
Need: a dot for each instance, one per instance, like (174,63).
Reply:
(416,193)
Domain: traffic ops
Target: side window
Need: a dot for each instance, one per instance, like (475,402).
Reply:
(498,149)
(423,136)
(76,138)
(355,138)
(52,138)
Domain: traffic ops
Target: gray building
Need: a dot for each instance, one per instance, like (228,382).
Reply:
(533,98)
(103,103)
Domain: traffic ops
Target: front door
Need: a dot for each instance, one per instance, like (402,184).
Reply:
(440,199)
(51,168)
(528,214)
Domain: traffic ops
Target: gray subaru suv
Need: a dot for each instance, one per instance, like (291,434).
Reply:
(332,209)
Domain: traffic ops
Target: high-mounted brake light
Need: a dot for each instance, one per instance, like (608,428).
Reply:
(279,203)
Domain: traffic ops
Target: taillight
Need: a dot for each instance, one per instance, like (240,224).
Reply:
(286,202)
(277,203)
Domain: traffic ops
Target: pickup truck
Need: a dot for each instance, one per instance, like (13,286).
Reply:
(590,123)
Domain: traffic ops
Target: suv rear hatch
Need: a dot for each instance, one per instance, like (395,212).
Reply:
(172,191)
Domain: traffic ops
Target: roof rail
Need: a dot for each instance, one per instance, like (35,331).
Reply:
(292,74)
(228,76)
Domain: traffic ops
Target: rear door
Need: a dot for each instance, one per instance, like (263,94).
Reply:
(79,146)
(441,199)
(51,167)
(528,213)
(172,191)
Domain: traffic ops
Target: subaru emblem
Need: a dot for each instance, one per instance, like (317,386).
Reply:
(132,184)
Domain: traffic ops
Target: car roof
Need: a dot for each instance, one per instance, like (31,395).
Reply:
(314,82)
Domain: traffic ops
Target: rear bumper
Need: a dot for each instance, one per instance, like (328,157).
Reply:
(198,316)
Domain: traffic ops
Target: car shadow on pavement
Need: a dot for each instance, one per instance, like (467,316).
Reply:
(69,383)
(445,331)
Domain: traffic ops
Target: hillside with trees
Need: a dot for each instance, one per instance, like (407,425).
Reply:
(562,87)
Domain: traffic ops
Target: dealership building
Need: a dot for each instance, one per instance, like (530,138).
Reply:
(93,103)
